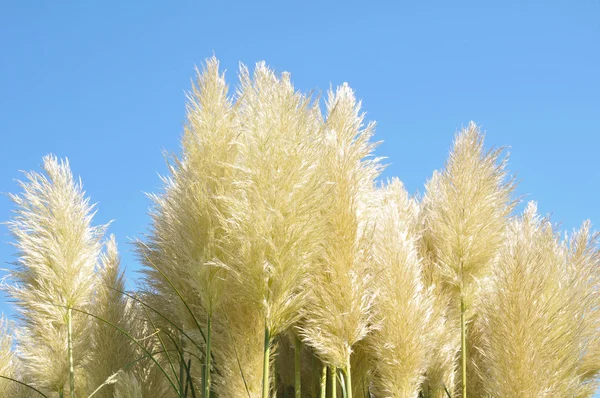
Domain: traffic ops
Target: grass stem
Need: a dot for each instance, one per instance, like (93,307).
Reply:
(324,382)
(297,370)
(266,363)
(333,381)
(207,361)
(70,351)
(348,378)
(463,347)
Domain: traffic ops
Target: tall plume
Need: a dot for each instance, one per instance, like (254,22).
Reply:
(467,206)
(540,315)
(57,251)
(111,350)
(402,343)
(273,229)
(182,254)
(339,314)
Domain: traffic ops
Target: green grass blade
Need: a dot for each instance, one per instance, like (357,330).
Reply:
(178,294)
(179,329)
(134,340)
(24,384)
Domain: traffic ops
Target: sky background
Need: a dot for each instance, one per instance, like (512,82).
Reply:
(103,83)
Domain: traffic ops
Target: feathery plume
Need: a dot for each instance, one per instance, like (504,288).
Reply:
(537,316)
(273,228)
(7,359)
(57,251)
(467,205)
(183,255)
(111,350)
(339,313)
(583,265)
(128,386)
(402,343)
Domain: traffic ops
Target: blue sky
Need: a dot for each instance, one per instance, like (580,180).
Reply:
(103,83)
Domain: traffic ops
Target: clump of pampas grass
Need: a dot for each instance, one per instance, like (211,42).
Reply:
(274,266)
(542,308)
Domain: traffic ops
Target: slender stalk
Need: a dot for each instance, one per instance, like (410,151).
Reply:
(314,382)
(463,347)
(333,381)
(70,350)
(267,354)
(297,373)
(323,381)
(348,378)
(207,361)
(181,366)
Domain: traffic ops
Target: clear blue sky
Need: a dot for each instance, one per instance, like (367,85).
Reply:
(103,84)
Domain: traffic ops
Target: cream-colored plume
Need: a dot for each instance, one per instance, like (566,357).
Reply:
(7,360)
(339,313)
(110,350)
(183,255)
(402,342)
(128,386)
(466,209)
(274,234)
(274,223)
(57,251)
(537,316)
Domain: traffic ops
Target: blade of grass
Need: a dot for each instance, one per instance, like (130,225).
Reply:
(164,347)
(179,329)
(237,358)
(24,384)
(342,383)
(447,392)
(134,340)
(177,292)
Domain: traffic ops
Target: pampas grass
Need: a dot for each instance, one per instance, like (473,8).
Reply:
(7,360)
(273,229)
(537,317)
(467,205)
(402,341)
(111,350)
(275,267)
(57,248)
(339,313)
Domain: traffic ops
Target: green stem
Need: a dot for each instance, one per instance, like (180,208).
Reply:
(70,350)
(267,354)
(348,378)
(297,369)
(333,381)
(181,366)
(324,381)
(463,347)
(207,362)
